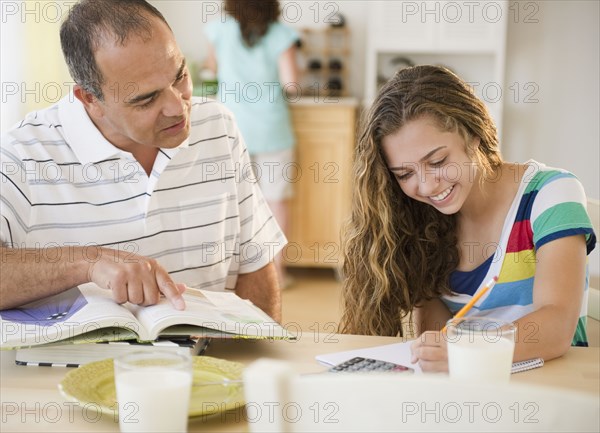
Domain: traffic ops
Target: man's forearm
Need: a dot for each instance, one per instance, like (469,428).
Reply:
(262,288)
(28,274)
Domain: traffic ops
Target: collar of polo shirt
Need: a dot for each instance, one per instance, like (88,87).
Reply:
(87,142)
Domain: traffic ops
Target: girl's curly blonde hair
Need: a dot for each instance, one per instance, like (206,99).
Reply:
(399,252)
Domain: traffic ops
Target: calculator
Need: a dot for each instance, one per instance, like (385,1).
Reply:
(367,365)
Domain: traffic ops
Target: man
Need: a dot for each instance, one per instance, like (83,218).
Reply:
(131,183)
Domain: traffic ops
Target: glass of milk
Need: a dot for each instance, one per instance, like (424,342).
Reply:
(153,391)
(480,349)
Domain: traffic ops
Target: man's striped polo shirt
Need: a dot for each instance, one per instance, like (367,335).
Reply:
(200,213)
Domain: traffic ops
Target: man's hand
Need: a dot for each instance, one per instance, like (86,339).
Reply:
(431,351)
(132,278)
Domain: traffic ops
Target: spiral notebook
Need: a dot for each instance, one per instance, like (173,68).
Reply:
(399,353)
(530,364)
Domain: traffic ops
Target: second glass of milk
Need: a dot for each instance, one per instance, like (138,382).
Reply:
(480,349)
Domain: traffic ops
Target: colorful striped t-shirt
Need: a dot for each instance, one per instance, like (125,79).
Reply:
(549,205)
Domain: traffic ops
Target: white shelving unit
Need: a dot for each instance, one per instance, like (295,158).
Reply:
(330,49)
(467,37)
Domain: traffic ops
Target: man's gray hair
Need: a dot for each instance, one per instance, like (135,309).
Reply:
(92,22)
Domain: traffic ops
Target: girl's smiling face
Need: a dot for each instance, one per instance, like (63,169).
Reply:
(431,165)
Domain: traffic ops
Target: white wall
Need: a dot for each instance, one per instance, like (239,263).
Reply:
(560,55)
(10,71)
(33,72)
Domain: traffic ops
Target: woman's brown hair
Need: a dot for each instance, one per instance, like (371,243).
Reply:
(398,252)
(253,16)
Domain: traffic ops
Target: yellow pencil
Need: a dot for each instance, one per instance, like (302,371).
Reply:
(470,304)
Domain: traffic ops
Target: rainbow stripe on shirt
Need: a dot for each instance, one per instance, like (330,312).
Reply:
(550,205)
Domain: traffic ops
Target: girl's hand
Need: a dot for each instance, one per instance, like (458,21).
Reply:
(431,351)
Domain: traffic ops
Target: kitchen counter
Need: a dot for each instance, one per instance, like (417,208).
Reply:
(348,101)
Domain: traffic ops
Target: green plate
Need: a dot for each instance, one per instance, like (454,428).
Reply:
(93,386)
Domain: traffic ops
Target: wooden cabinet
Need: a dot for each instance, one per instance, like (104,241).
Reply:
(325,134)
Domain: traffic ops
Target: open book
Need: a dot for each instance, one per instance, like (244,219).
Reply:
(88,314)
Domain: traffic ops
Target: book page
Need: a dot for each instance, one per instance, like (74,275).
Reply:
(75,312)
(220,311)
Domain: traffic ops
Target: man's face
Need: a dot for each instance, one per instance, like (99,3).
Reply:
(147,92)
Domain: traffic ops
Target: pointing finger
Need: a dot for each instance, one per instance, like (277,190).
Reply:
(169,289)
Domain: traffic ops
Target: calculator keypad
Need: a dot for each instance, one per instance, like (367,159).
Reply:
(359,364)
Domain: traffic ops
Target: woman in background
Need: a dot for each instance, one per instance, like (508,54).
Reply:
(254,57)
(436,213)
